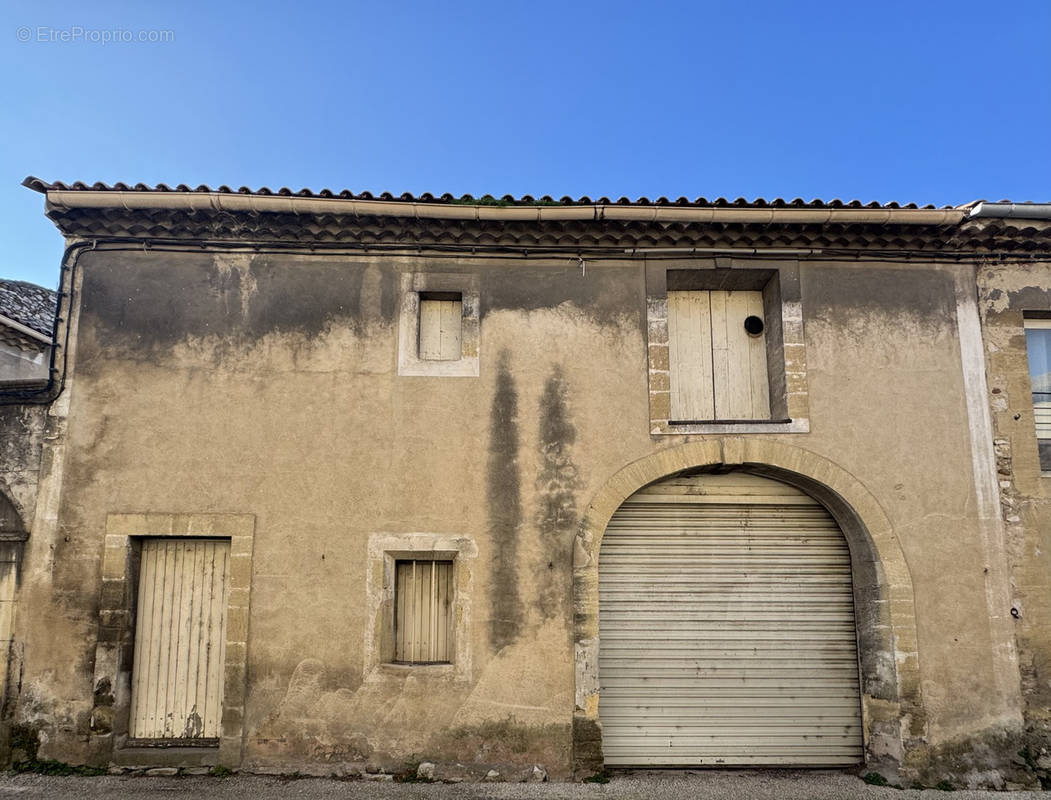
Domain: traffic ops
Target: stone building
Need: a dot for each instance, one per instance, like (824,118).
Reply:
(27,317)
(339,482)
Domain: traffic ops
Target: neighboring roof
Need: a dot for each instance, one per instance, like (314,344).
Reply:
(161,213)
(29,305)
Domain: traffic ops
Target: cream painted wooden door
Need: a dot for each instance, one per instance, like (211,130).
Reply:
(726,628)
(180,639)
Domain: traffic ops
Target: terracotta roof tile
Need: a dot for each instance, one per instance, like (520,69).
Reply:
(740,202)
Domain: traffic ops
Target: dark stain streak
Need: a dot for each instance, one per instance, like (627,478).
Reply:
(556,484)
(503,493)
(388,295)
(194,725)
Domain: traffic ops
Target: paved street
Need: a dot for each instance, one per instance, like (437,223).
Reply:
(742,785)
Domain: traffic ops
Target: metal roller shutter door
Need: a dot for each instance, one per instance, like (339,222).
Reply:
(727,635)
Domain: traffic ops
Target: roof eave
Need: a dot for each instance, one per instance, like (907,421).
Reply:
(240,203)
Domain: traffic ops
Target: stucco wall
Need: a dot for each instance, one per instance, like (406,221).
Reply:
(21,436)
(268,385)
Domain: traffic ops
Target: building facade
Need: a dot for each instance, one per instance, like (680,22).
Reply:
(343,483)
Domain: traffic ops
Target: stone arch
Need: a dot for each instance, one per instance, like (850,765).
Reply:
(892,710)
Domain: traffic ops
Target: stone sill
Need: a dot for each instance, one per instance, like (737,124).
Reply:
(428,669)
(672,428)
(166,756)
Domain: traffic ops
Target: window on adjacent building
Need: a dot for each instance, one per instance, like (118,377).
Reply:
(441,325)
(1038,347)
(423,606)
(717,355)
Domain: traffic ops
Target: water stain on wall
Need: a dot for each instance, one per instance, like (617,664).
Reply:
(135,305)
(556,483)
(611,296)
(503,494)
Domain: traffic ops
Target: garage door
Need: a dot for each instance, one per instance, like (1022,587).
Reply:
(727,634)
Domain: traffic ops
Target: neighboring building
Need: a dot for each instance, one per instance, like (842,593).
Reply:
(339,482)
(1015,303)
(27,319)
(27,316)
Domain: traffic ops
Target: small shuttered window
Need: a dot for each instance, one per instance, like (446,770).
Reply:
(423,611)
(1038,347)
(717,356)
(441,326)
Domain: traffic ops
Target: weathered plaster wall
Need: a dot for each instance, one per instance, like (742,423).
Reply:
(1007,292)
(21,436)
(22,432)
(267,385)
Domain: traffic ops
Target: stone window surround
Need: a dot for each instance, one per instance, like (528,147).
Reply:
(409,361)
(1007,362)
(793,346)
(384,549)
(118,602)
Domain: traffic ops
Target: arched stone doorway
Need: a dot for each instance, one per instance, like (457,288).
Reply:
(726,628)
(892,715)
(13,535)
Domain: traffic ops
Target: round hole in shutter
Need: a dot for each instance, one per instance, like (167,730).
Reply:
(753,325)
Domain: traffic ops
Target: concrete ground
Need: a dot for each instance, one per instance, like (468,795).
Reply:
(642,785)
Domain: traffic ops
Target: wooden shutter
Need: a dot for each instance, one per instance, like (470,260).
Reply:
(423,611)
(742,386)
(716,369)
(441,322)
(690,355)
(180,639)
(726,628)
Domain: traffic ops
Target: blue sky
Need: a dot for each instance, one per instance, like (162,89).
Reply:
(927,101)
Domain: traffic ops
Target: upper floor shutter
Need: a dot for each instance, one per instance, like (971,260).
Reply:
(717,369)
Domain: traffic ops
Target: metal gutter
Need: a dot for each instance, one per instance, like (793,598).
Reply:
(25,329)
(260,204)
(1012,210)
